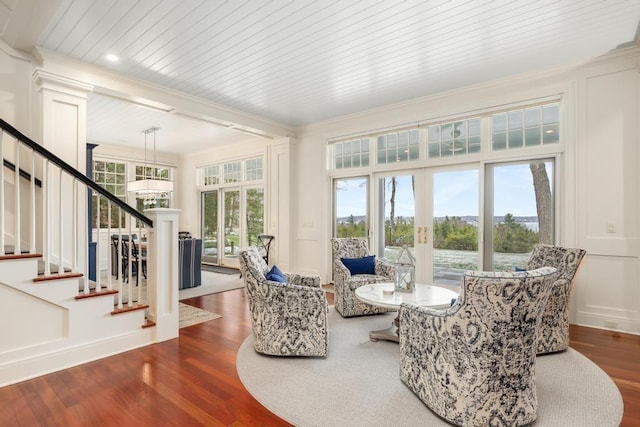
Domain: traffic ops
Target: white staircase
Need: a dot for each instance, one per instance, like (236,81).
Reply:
(51,324)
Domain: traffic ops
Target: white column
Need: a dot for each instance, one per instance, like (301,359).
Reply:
(62,107)
(162,272)
(278,201)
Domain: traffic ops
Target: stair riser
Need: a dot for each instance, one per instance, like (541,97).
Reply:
(61,291)
(18,270)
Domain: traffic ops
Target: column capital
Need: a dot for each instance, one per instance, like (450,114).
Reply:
(56,82)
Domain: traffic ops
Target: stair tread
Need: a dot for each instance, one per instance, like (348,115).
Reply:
(127,309)
(148,323)
(57,276)
(19,256)
(94,293)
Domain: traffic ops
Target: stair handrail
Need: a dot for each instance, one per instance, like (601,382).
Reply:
(72,171)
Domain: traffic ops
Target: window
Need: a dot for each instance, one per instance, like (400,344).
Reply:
(144,172)
(527,127)
(211,175)
(249,170)
(351,212)
(454,138)
(253,169)
(156,201)
(112,177)
(351,154)
(232,172)
(398,146)
(254,212)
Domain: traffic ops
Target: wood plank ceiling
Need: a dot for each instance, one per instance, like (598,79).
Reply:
(302,61)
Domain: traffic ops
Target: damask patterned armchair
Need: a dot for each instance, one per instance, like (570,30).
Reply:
(474,363)
(288,319)
(553,330)
(346,284)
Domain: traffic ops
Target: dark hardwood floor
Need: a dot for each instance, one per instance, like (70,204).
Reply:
(193,381)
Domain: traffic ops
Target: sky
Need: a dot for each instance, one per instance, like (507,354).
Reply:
(455,193)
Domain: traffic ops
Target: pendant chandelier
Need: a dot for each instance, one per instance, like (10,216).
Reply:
(150,188)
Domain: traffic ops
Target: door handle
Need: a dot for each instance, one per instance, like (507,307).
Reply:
(419,234)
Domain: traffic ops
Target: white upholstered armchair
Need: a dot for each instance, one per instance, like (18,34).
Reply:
(553,330)
(288,319)
(346,283)
(474,363)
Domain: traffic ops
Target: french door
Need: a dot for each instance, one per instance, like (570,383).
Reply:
(414,207)
(232,218)
(452,223)
(210,227)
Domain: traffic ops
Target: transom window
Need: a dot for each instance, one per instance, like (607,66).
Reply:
(524,127)
(454,138)
(351,154)
(398,146)
(253,169)
(248,170)
(150,172)
(527,127)
(231,172)
(211,175)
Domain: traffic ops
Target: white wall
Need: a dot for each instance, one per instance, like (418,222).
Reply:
(598,174)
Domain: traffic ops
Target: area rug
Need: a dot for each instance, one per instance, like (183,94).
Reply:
(212,283)
(358,384)
(190,315)
(220,269)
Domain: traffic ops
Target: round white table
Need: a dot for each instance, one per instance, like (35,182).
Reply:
(382,295)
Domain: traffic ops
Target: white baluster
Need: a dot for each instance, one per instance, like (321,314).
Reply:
(85,221)
(32,248)
(98,278)
(2,230)
(74,231)
(140,270)
(46,220)
(109,260)
(16,193)
(61,225)
(129,269)
(120,255)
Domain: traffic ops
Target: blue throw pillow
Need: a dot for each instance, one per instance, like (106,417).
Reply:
(366,265)
(275,275)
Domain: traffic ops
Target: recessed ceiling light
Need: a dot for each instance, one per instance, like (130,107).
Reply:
(111,57)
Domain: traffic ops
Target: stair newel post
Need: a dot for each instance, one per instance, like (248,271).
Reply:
(162,271)
(32,248)
(2,229)
(16,193)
